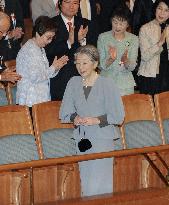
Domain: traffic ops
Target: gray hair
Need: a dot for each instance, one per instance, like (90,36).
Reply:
(90,50)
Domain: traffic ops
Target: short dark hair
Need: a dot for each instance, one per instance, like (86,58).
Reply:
(44,24)
(123,13)
(60,4)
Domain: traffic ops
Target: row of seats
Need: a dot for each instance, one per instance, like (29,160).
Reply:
(47,137)
(20,142)
(146,120)
(144,125)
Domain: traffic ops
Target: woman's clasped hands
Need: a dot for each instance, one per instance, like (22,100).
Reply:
(86,121)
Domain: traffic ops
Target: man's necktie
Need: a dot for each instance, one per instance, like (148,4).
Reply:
(83,7)
(69,25)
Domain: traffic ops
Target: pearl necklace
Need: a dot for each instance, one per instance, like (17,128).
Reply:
(90,82)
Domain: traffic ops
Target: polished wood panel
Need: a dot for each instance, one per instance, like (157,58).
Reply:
(58,182)
(142,197)
(15,119)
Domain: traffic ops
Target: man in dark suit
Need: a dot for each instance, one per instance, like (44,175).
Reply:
(25,4)
(10,44)
(6,75)
(142,13)
(107,8)
(68,39)
(92,14)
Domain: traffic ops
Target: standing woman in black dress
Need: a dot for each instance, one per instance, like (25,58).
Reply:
(154,44)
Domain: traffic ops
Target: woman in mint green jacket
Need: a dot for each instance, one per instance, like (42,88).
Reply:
(118,51)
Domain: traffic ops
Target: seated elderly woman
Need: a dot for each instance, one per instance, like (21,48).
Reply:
(118,51)
(33,66)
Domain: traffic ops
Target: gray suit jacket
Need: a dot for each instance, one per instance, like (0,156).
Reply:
(42,8)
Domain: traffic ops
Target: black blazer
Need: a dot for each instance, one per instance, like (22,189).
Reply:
(107,8)
(94,20)
(142,13)
(12,7)
(58,47)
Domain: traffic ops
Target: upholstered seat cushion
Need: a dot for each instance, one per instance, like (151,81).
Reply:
(58,143)
(18,148)
(142,134)
(166,130)
(3,99)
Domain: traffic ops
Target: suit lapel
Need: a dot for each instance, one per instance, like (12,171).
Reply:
(62,27)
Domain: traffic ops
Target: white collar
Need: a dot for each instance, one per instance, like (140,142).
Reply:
(66,20)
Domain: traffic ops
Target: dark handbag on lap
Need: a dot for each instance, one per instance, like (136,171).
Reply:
(84,144)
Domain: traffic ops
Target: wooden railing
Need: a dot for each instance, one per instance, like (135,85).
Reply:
(58,178)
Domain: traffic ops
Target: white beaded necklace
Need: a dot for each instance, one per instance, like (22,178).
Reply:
(90,82)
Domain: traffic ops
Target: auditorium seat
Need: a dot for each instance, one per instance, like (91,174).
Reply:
(55,139)
(140,128)
(17,141)
(162,110)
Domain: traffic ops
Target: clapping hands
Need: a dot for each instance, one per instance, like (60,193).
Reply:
(82,33)
(124,58)
(163,36)
(112,55)
(16,33)
(113,52)
(10,75)
(59,63)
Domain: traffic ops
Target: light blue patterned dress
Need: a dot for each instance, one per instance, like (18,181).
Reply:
(122,76)
(33,66)
(104,99)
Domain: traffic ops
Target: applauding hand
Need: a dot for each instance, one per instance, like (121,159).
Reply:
(112,55)
(124,58)
(82,33)
(59,63)
(163,36)
(16,33)
(10,75)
